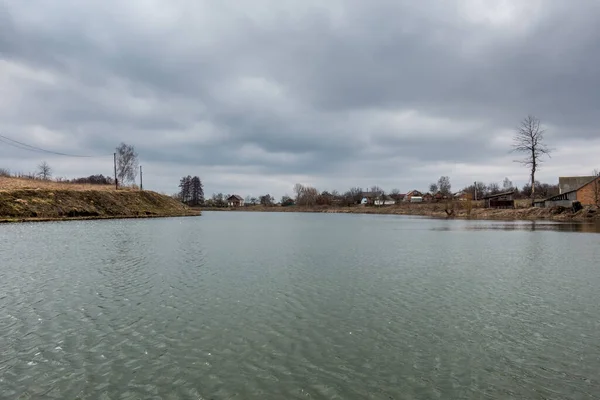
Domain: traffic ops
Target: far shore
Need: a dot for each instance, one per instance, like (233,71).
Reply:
(456,210)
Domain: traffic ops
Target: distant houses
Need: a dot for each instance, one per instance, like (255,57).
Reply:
(376,199)
(414,196)
(573,191)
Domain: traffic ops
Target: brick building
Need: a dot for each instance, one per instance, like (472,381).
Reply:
(587,193)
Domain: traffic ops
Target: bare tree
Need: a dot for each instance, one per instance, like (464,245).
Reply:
(529,139)
(44,171)
(493,188)
(395,194)
(127,163)
(433,188)
(266,200)
(444,185)
(298,190)
(507,185)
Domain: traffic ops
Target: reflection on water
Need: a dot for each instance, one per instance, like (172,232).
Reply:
(585,227)
(299,306)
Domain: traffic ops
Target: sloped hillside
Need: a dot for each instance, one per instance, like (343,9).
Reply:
(46,204)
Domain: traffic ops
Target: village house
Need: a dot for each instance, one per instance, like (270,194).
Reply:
(584,190)
(500,200)
(462,196)
(368,198)
(235,201)
(439,196)
(384,201)
(428,197)
(413,193)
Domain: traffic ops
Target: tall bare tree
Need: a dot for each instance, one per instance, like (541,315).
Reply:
(44,170)
(529,140)
(127,163)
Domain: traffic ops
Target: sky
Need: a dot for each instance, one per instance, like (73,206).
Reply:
(255,97)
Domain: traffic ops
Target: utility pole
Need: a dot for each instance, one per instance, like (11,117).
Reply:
(115,164)
(141,179)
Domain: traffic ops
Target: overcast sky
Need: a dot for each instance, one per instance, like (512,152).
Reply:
(255,96)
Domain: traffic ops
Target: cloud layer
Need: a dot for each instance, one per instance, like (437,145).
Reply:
(255,97)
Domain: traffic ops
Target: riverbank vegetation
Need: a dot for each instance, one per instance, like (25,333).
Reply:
(453,209)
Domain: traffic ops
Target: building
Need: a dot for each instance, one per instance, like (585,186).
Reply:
(586,194)
(411,194)
(428,197)
(235,201)
(570,183)
(439,196)
(462,196)
(385,201)
(500,200)
(368,198)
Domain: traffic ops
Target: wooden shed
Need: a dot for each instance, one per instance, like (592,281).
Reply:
(500,200)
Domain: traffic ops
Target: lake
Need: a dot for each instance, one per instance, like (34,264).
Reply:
(236,305)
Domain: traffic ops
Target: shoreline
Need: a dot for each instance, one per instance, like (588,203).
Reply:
(17,220)
(437,211)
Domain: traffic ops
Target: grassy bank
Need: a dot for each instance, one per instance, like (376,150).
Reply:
(442,210)
(64,202)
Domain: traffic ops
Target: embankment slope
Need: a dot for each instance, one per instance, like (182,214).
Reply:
(67,203)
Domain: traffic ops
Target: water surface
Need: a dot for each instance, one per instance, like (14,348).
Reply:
(283,305)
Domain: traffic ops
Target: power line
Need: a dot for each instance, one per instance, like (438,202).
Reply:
(25,146)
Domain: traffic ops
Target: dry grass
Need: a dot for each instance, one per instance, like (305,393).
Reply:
(38,184)
(27,204)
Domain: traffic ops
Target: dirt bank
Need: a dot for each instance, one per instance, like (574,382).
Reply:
(63,204)
(456,210)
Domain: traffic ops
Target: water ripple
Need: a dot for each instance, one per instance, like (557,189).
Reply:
(296,306)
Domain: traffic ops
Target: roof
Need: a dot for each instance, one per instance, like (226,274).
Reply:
(491,196)
(570,183)
(586,182)
(235,196)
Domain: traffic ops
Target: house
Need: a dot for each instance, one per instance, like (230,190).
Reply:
(235,201)
(385,201)
(428,197)
(411,194)
(586,194)
(500,200)
(368,198)
(439,196)
(462,196)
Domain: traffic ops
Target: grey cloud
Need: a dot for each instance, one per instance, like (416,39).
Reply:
(119,77)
